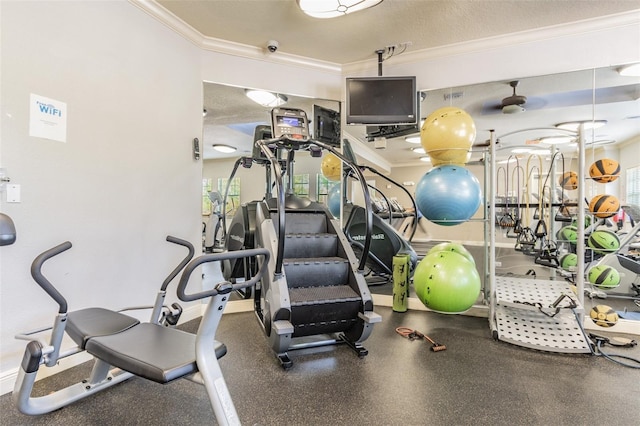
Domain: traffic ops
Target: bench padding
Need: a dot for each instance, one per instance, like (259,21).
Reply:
(151,351)
(87,323)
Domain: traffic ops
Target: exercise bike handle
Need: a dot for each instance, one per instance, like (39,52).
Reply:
(36,273)
(215,257)
(188,257)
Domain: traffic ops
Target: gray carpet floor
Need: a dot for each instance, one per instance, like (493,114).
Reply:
(475,381)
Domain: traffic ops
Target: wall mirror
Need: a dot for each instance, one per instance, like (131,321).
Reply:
(531,128)
(603,96)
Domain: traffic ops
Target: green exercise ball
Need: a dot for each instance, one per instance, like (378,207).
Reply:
(454,247)
(446,282)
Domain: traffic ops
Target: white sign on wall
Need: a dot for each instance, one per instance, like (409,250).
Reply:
(48,118)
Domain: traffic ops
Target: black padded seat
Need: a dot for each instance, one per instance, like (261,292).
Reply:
(84,324)
(151,351)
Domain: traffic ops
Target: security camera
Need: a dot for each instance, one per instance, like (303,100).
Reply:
(273,45)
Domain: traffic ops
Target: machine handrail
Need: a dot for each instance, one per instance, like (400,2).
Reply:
(367,201)
(226,192)
(263,144)
(387,202)
(36,273)
(413,201)
(264,147)
(187,258)
(215,257)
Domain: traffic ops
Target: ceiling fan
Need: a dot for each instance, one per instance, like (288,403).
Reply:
(513,104)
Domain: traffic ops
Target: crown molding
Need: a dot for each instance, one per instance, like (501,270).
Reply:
(211,44)
(631,18)
(154,9)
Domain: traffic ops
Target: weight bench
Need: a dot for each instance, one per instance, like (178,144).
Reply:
(123,346)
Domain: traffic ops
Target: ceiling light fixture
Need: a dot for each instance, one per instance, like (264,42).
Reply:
(266,99)
(513,104)
(418,150)
(556,140)
(632,70)
(512,109)
(425,158)
(412,139)
(588,124)
(226,149)
(334,8)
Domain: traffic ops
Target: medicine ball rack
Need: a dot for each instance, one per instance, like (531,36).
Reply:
(536,313)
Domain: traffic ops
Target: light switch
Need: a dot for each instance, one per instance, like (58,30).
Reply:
(13,193)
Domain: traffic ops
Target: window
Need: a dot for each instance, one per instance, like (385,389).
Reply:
(233,198)
(301,185)
(323,185)
(206,203)
(633,186)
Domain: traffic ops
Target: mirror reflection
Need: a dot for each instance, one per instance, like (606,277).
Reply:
(533,122)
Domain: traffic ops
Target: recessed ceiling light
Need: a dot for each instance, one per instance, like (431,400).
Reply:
(412,139)
(425,158)
(266,99)
(588,124)
(226,149)
(418,150)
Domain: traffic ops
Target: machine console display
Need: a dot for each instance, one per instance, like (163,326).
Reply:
(290,123)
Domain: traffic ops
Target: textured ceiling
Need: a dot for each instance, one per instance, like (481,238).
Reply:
(424,24)
(356,37)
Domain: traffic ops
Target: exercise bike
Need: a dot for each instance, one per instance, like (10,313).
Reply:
(122,346)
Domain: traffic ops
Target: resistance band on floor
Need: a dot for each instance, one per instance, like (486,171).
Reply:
(415,334)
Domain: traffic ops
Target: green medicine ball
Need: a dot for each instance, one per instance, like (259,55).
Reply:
(604,277)
(568,261)
(567,233)
(603,241)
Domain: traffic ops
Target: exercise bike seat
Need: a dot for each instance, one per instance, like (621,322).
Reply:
(85,324)
(151,351)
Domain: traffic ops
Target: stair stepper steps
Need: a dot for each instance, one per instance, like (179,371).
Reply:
(322,299)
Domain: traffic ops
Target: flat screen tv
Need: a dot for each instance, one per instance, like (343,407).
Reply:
(381,100)
(326,125)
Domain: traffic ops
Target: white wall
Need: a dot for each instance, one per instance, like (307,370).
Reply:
(582,45)
(125,177)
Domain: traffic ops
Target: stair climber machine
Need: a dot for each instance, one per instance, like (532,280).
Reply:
(314,292)
(240,234)
(386,240)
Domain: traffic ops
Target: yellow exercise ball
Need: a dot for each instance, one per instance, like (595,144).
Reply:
(447,135)
(452,157)
(330,167)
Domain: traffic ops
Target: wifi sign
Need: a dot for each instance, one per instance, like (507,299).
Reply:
(47,118)
(49,109)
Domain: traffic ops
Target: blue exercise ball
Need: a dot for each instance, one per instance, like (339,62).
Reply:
(334,199)
(448,195)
